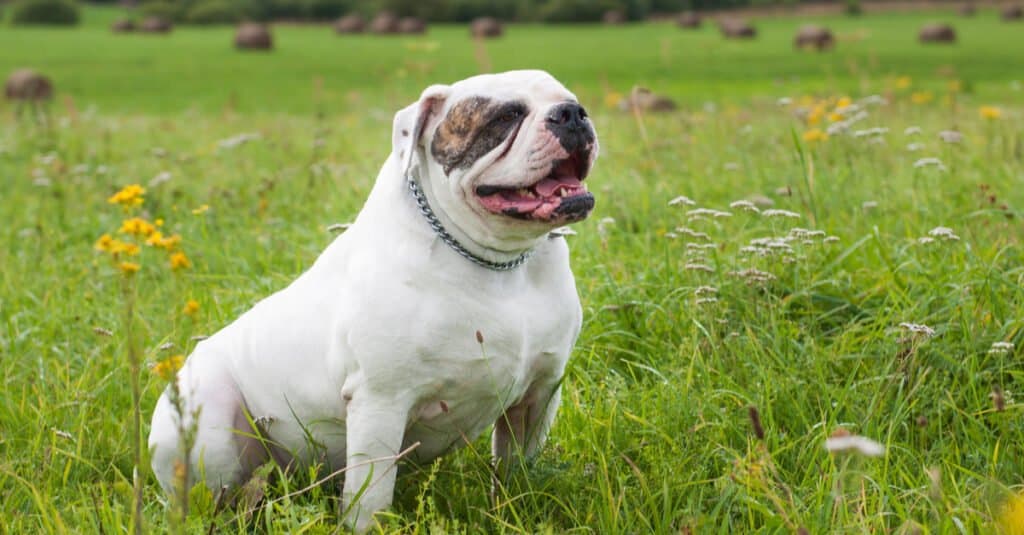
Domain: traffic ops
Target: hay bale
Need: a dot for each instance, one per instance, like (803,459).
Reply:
(644,100)
(412,25)
(353,23)
(614,17)
(688,20)
(253,36)
(486,28)
(27,84)
(155,25)
(123,26)
(736,29)
(967,10)
(937,33)
(384,22)
(812,35)
(1011,13)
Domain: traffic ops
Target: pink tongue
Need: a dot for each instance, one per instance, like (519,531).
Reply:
(548,186)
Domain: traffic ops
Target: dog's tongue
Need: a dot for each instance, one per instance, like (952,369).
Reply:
(548,186)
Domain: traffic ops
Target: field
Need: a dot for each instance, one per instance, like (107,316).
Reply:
(873,282)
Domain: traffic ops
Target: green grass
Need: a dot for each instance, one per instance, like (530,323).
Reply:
(653,434)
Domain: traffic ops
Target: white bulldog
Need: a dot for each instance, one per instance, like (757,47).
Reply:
(376,348)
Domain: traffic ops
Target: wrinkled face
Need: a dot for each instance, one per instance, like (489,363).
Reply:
(508,154)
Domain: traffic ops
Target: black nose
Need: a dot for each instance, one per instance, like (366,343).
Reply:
(568,122)
(568,115)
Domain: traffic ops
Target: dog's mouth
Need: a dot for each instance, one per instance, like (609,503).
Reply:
(559,197)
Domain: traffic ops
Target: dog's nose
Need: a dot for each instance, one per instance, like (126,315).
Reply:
(568,115)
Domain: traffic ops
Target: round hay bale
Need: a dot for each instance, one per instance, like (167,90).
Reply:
(644,100)
(384,22)
(1011,13)
(123,26)
(737,29)
(811,35)
(486,28)
(412,25)
(688,20)
(253,36)
(155,25)
(614,17)
(27,84)
(353,23)
(937,33)
(967,10)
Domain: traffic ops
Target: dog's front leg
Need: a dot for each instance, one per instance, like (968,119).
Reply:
(374,432)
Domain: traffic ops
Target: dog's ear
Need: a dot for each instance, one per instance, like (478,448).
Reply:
(411,122)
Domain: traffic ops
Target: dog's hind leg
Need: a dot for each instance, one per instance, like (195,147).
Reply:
(227,448)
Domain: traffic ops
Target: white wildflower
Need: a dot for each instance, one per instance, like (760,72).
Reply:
(925,240)
(873,100)
(235,141)
(1000,348)
(914,147)
(560,231)
(701,245)
(830,239)
(744,205)
(784,101)
(944,233)
(159,152)
(876,131)
(868,205)
(699,267)
(706,300)
(160,178)
(753,275)
(603,224)
(731,166)
(929,162)
(706,291)
(693,233)
(671,235)
(912,131)
(682,199)
(777,212)
(951,136)
(703,212)
(918,328)
(844,443)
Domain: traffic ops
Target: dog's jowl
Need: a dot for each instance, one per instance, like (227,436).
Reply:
(374,349)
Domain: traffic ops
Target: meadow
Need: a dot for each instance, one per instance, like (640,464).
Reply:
(812,245)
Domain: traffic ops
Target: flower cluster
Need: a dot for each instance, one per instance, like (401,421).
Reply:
(137,231)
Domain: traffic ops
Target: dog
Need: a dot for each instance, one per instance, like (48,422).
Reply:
(447,307)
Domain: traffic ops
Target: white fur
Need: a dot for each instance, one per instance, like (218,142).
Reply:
(374,347)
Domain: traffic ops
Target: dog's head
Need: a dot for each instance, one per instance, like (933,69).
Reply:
(504,156)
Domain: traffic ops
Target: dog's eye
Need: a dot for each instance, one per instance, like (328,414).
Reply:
(511,115)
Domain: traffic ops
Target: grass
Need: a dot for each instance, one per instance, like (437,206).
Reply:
(654,433)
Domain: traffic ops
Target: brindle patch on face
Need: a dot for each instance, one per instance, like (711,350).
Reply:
(473,128)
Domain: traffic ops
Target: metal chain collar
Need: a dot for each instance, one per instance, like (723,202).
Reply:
(435,223)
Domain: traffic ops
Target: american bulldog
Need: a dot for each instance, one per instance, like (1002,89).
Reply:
(447,307)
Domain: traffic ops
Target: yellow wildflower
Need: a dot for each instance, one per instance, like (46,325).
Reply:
(129,268)
(990,112)
(1011,519)
(814,135)
(130,195)
(165,369)
(180,261)
(191,307)
(158,240)
(104,243)
(843,102)
(612,99)
(921,97)
(137,226)
(835,117)
(201,209)
(116,247)
(903,82)
(159,222)
(815,115)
